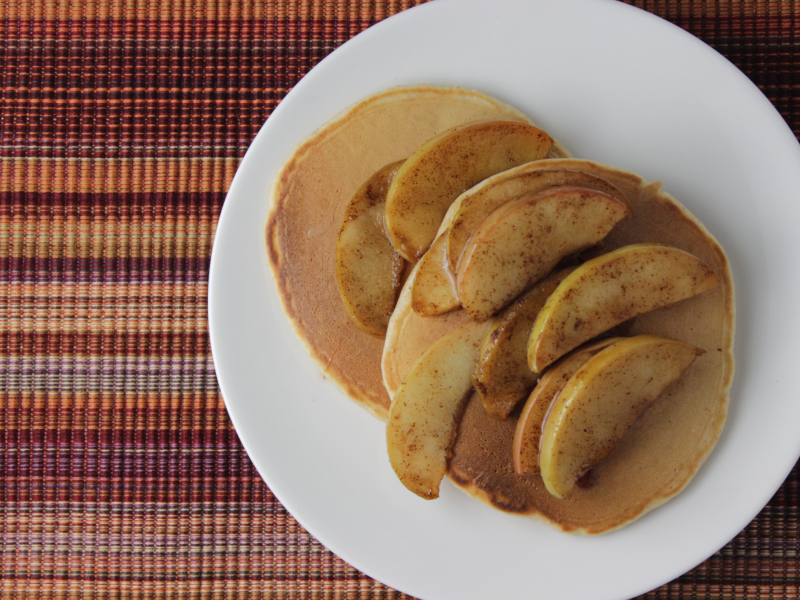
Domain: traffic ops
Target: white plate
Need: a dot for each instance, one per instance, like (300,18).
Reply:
(617,85)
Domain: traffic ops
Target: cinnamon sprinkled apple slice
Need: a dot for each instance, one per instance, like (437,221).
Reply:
(600,402)
(447,165)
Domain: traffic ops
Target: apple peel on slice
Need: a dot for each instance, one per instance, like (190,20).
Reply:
(522,241)
(528,433)
(423,418)
(447,165)
(502,376)
(368,268)
(612,288)
(598,404)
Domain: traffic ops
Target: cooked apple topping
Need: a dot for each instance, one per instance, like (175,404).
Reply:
(528,433)
(434,289)
(601,400)
(368,269)
(584,403)
(610,289)
(502,377)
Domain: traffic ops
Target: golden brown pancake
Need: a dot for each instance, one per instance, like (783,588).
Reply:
(308,203)
(665,448)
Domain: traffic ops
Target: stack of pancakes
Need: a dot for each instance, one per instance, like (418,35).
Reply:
(665,447)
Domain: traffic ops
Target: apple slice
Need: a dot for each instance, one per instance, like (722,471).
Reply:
(525,448)
(525,239)
(612,288)
(599,403)
(368,269)
(502,376)
(477,203)
(424,414)
(447,165)
(434,289)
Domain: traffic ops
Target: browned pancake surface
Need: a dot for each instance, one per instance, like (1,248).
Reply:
(307,207)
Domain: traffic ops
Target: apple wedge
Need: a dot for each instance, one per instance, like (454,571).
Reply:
(424,414)
(612,288)
(600,402)
(525,239)
(434,289)
(368,269)
(525,448)
(502,376)
(477,203)
(447,165)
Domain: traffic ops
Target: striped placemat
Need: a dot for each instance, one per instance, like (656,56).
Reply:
(122,124)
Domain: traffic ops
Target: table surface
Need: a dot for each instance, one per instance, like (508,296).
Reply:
(122,124)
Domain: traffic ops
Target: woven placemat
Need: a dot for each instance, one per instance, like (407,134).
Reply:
(122,124)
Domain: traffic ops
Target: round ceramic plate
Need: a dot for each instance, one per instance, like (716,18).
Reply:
(616,85)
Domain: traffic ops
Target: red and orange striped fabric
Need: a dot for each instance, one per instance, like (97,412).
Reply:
(121,125)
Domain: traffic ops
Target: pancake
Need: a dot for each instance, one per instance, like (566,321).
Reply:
(666,447)
(308,203)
